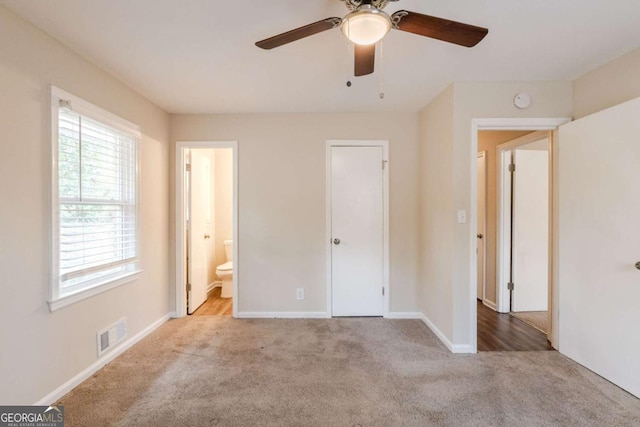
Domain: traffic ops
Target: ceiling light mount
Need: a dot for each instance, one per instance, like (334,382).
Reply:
(355,4)
(366,25)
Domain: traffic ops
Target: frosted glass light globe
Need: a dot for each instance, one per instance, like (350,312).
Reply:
(366,25)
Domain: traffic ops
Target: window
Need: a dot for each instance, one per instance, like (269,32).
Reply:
(95,194)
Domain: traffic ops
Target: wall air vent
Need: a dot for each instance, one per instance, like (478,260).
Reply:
(110,336)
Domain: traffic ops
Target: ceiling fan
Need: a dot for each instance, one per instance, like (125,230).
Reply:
(367,23)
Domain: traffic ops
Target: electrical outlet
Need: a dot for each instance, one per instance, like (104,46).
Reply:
(300,293)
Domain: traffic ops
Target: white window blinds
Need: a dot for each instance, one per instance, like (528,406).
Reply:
(97,195)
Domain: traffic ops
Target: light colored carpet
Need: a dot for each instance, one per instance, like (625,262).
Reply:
(203,371)
(537,319)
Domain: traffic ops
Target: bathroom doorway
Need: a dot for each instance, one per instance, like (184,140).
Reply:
(206,229)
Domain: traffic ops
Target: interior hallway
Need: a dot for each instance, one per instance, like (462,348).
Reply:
(504,332)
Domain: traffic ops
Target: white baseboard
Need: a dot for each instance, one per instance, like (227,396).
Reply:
(490,304)
(403,315)
(282,315)
(211,286)
(100,363)
(453,348)
(462,349)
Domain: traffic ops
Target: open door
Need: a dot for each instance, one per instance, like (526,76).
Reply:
(598,266)
(524,218)
(530,229)
(199,205)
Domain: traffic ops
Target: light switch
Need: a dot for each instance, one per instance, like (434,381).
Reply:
(462,217)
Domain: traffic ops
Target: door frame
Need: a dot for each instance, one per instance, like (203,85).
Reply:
(385,234)
(180,278)
(483,155)
(523,123)
(503,210)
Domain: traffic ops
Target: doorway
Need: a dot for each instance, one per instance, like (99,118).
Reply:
(497,153)
(206,228)
(484,309)
(357,228)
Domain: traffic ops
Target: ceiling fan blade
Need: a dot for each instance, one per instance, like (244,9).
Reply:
(365,59)
(299,33)
(438,28)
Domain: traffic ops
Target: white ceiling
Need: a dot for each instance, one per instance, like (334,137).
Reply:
(198,56)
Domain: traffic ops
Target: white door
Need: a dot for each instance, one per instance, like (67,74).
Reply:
(198,215)
(530,243)
(482,213)
(357,230)
(599,243)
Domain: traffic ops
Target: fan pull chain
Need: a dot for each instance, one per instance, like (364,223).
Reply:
(380,86)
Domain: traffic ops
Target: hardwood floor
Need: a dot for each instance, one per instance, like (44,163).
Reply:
(503,332)
(215,305)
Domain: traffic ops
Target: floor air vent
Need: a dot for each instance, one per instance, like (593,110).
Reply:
(112,335)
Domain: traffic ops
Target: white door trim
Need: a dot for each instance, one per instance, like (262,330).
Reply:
(479,124)
(385,188)
(483,155)
(179,285)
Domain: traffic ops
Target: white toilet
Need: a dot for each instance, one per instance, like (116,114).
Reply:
(225,271)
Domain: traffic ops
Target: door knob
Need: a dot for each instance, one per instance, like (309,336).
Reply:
(206,236)
(336,241)
(479,236)
(638,265)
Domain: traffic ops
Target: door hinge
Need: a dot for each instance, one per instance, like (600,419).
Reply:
(188,287)
(187,167)
(383,291)
(512,167)
(510,286)
(384,162)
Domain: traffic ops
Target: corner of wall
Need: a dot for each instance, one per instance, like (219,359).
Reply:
(611,84)
(435,224)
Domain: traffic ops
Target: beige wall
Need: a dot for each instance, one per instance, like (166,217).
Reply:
(436,205)
(475,100)
(613,83)
(41,350)
(488,140)
(282,201)
(481,100)
(470,100)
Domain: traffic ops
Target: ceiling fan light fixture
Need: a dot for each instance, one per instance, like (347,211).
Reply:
(366,25)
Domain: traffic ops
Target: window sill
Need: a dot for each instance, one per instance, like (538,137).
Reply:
(70,299)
